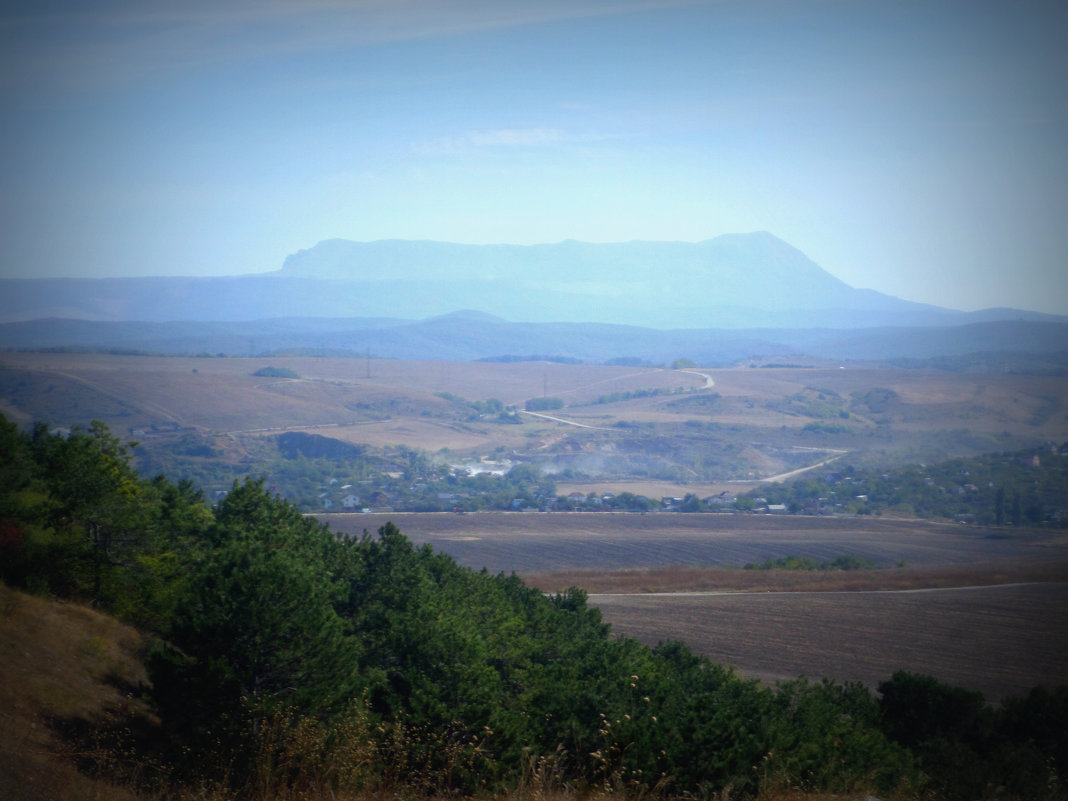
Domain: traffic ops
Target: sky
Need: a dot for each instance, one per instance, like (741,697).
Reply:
(916,148)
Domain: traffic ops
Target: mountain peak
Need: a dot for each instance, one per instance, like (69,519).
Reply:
(716,282)
(641,282)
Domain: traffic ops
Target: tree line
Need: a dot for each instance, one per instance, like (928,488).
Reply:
(1012,488)
(284,659)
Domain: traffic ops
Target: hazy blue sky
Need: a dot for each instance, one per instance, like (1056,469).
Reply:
(917,148)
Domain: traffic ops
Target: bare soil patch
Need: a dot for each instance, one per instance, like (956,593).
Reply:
(528,542)
(1001,640)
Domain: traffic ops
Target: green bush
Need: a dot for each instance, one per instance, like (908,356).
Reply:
(275,372)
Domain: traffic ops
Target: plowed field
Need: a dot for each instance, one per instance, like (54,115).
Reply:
(982,608)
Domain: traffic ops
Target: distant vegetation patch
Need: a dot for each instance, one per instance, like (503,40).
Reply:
(532,358)
(616,397)
(275,372)
(827,428)
(489,410)
(847,562)
(701,402)
(294,444)
(879,400)
(1018,488)
(812,402)
(111,351)
(628,361)
(543,404)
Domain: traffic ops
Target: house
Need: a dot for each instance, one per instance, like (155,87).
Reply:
(350,501)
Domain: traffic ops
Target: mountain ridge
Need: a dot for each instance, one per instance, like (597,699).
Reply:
(734,281)
(463,336)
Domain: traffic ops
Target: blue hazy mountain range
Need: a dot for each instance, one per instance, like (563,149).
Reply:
(728,298)
(732,281)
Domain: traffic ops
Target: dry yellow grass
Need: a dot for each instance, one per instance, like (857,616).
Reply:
(222,395)
(62,664)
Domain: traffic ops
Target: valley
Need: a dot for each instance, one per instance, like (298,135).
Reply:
(402,437)
(663,429)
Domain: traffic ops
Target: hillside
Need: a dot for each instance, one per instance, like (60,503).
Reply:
(71,679)
(213,419)
(288,662)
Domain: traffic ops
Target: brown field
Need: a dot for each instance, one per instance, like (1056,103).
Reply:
(971,606)
(529,542)
(387,402)
(999,639)
(376,402)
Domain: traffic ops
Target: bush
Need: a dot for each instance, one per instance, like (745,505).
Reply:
(275,372)
(543,404)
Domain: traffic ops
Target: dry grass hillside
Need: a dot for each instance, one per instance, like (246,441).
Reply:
(643,429)
(70,679)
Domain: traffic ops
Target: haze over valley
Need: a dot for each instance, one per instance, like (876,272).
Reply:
(601,399)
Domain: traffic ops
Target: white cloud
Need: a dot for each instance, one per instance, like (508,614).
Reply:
(521,137)
(119,41)
(506,138)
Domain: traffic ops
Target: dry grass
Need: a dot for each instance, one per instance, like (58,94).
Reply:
(63,665)
(222,395)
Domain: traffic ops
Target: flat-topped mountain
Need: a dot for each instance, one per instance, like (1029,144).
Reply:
(735,281)
(660,284)
(732,281)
